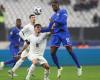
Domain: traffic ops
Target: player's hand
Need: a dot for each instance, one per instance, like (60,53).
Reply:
(52,31)
(51,20)
(19,53)
(52,28)
(17,57)
(54,24)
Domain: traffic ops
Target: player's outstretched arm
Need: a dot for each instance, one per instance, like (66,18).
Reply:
(47,29)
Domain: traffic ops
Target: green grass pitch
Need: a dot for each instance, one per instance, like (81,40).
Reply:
(68,73)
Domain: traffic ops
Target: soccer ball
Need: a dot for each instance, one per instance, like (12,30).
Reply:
(37,10)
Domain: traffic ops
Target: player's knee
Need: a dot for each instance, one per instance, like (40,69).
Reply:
(34,62)
(53,54)
(46,66)
(17,58)
(69,48)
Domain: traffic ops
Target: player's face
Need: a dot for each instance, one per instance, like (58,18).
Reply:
(37,29)
(32,19)
(55,7)
(18,23)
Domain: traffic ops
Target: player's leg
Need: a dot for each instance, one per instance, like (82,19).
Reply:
(55,60)
(54,56)
(16,66)
(46,71)
(31,70)
(18,63)
(74,57)
(55,43)
(69,48)
(14,52)
(42,61)
(68,45)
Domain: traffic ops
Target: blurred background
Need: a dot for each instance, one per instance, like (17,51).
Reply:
(83,22)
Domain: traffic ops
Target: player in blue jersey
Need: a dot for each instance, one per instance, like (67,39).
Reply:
(15,43)
(60,34)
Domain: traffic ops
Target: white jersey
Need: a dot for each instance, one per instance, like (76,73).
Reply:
(37,44)
(24,34)
(26,31)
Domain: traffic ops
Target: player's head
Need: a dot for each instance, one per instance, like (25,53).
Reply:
(18,22)
(37,28)
(32,18)
(55,5)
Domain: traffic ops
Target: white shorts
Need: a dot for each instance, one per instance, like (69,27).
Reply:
(40,59)
(25,53)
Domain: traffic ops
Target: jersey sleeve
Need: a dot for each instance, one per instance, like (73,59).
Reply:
(46,35)
(48,28)
(28,40)
(62,18)
(22,33)
(11,34)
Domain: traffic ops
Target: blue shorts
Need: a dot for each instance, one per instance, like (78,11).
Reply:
(14,51)
(58,38)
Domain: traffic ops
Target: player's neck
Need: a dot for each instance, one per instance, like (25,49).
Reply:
(37,34)
(32,23)
(18,27)
(57,10)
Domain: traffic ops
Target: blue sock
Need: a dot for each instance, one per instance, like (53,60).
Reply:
(55,60)
(75,59)
(10,61)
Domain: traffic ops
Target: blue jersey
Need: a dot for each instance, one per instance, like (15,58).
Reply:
(14,37)
(60,30)
(60,20)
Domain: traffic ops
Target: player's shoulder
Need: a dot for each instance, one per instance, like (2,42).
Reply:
(63,10)
(13,29)
(27,25)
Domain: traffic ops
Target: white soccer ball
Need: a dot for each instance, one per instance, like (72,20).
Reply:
(37,10)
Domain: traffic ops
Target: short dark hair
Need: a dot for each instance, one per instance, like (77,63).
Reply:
(37,25)
(18,19)
(55,1)
(31,15)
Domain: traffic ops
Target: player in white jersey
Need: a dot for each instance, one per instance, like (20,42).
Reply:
(24,34)
(37,43)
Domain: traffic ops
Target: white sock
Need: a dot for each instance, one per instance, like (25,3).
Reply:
(31,69)
(46,73)
(17,65)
